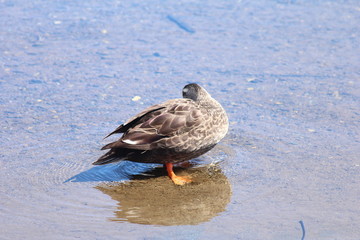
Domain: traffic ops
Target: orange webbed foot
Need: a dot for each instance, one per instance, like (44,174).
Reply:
(181,180)
(176,179)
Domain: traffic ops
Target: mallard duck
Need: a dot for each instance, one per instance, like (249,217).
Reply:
(171,132)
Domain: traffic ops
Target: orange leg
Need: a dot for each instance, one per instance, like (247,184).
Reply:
(176,179)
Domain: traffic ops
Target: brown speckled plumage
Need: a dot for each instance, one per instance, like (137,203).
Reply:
(171,132)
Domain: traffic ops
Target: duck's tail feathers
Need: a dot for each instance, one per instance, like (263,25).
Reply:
(113,155)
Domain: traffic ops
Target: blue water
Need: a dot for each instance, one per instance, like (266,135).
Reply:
(287,73)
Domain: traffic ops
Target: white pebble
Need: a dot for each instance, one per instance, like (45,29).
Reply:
(136,98)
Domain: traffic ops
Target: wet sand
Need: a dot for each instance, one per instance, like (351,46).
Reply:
(157,201)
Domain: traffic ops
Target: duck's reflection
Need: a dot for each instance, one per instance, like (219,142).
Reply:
(157,201)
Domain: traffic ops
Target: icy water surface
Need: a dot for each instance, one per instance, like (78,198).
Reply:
(287,73)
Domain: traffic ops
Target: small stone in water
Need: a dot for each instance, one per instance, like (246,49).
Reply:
(136,98)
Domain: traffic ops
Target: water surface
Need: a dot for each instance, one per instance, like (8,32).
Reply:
(287,73)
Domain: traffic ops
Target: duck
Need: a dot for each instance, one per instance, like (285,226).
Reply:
(171,132)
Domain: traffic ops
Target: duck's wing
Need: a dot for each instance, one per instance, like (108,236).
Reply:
(174,117)
(141,117)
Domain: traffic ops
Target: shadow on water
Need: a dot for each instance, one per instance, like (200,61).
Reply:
(122,171)
(157,201)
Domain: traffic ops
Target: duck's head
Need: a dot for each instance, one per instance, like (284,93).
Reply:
(195,92)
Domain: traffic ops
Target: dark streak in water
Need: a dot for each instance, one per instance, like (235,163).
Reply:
(303,229)
(265,75)
(180,24)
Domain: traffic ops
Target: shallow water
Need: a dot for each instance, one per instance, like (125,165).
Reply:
(287,73)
